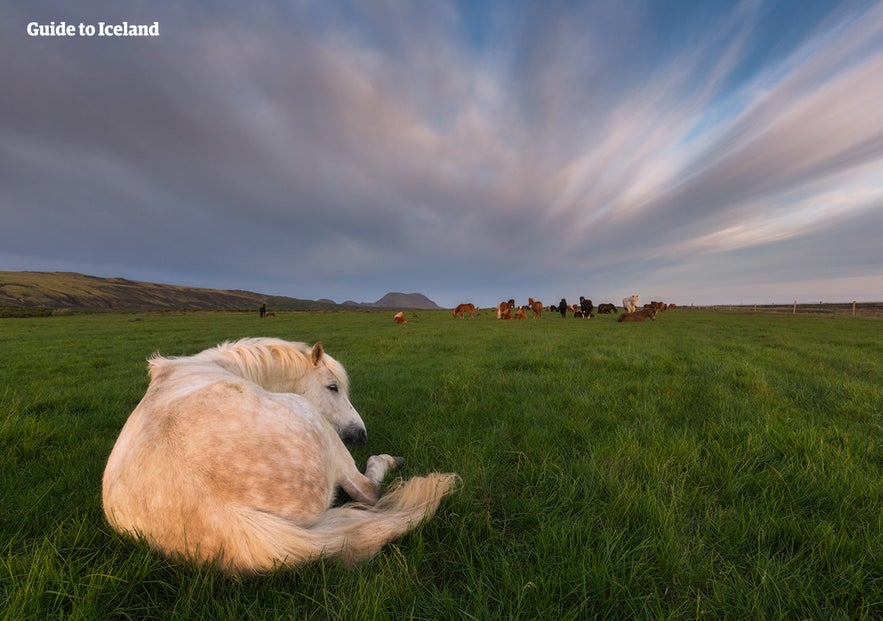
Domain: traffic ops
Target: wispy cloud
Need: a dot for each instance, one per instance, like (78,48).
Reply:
(336,150)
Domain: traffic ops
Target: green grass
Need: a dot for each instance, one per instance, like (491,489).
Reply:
(706,465)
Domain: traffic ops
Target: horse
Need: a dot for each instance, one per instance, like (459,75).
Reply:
(607,308)
(399,317)
(504,309)
(462,309)
(630,303)
(536,307)
(233,457)
(640,315)
(586,306)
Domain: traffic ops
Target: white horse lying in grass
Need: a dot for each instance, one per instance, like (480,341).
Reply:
(234,455)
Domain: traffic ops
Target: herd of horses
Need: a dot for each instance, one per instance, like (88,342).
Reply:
(585,309)
(508,309)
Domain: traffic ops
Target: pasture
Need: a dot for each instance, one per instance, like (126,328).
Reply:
(705,465)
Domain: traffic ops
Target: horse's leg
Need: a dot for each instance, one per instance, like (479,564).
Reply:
(366,487)
(379,465)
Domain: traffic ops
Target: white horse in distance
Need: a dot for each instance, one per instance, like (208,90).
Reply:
(630,303)
(234,455)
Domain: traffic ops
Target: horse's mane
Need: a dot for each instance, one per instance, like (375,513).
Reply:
(271,363)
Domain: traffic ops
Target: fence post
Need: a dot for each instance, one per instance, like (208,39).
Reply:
(794,312)
(853,308)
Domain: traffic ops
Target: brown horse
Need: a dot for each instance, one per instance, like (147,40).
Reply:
(504,309)
(606,309)
(399,317)
(535,306)
(639,315)
(462,309)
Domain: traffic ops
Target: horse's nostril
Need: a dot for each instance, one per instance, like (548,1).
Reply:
(354,435)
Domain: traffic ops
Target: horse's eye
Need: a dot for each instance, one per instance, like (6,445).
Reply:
(332,387)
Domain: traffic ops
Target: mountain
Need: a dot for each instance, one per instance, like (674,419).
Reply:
(416,301)
(79,291)
(406,300)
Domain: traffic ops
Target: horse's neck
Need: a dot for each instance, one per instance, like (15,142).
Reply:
(260,370)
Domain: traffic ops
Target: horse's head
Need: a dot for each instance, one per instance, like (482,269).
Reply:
(327,387)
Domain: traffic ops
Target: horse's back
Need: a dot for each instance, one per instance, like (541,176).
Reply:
(188,453)
(218,462)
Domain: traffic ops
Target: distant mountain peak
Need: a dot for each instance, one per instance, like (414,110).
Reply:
(406,300)
(397,300)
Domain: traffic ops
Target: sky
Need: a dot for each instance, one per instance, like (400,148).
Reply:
(693,152)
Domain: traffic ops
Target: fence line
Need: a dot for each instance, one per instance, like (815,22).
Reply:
(832,309)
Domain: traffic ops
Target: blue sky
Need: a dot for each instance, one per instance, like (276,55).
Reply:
(695,152)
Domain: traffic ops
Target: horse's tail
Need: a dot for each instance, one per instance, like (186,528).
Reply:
(260,541)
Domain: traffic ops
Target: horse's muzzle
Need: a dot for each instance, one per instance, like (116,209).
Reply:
(354,435)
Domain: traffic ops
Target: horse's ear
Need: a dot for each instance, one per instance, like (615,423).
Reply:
(316,354)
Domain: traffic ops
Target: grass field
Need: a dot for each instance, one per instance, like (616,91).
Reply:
(706,465)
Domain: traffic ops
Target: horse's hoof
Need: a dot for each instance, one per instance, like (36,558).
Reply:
(400,462)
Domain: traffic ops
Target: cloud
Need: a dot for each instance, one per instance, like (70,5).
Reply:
(654,180)
(335,150)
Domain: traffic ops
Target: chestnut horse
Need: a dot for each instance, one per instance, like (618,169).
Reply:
(234,455)
(462,309)
(639,315)
(536,307)
(504,309)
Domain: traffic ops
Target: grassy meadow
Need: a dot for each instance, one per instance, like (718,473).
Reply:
(717,465)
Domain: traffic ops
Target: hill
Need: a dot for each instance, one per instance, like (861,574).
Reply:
(79,291)
(416,301)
